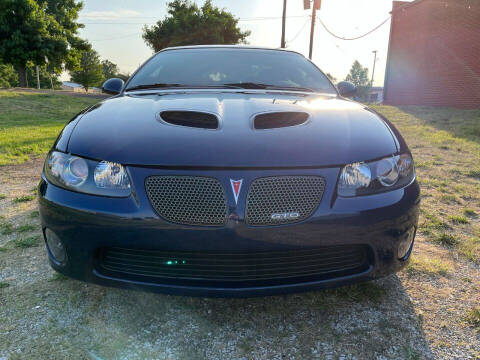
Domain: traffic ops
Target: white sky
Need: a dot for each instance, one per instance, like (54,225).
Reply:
(114,28)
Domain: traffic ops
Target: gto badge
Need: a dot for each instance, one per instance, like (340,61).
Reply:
(285,216)
(236,186)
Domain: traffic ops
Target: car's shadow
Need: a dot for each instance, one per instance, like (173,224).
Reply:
(365,321)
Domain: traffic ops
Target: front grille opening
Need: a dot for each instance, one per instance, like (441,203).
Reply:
(190,119)
(273,200)
(276,120)
(234,269)
(189,200)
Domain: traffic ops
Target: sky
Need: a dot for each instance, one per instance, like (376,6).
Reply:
(114,28)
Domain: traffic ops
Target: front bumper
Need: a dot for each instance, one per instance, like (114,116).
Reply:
(86,224)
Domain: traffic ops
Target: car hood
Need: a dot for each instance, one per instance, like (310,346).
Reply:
(127,129)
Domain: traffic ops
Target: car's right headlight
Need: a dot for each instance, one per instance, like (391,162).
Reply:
(87,176)
(376,176)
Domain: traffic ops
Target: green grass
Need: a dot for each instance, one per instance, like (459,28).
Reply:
(28,242)
(446,239)
(4,284)
(475,173)
(23,198)
(473,317)
(458,219)
(58,277)
(34,214)
(470,248)
(29,123)
(445,143)
(2,196)
(26,228)
(427,265)
(469,212)
(6,228)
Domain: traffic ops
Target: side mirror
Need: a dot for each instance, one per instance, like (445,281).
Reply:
(346,89)
(113,86)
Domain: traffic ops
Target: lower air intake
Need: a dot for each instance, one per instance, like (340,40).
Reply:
(234,269)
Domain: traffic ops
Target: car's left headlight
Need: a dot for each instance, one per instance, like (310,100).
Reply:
(87,176)
(376,176)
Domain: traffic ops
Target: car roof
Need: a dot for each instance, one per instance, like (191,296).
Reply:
(242,47)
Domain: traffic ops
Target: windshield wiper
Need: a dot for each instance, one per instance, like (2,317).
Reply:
(152,86)
(182,86)
(253,85)
(249,85)
(244,85)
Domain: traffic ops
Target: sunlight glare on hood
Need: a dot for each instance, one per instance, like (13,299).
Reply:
(324,103)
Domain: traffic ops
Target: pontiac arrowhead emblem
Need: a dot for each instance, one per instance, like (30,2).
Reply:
(236,186)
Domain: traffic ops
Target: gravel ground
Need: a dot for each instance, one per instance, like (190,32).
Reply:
(416,314)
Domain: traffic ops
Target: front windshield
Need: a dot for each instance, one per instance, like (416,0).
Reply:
(223,67)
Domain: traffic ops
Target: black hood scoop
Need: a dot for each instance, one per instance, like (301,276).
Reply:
(192,119)
(274,120)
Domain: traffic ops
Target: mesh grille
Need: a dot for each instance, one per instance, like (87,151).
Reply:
(190,200)
(283,199)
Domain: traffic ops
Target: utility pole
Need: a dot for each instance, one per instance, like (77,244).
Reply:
(316,6)
(38,77)
(374,61)
(282,43)
(49,74)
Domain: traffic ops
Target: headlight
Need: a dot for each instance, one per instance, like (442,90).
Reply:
(376,176)
(387,172)
(88,176)
(110,175)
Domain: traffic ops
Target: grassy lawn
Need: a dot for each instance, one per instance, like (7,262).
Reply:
(30,123)
(446,148)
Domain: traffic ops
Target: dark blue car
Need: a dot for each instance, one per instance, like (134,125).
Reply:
(228,171)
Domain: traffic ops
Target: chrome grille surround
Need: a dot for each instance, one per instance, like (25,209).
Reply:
(189,200)
(269,196)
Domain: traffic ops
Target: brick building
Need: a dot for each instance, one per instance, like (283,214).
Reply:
(434,54)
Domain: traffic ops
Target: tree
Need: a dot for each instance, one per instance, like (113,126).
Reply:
(46,75)
(8,76)
(187,24)
(332,78)
(358,75)
(34,31)
(65,13)
(90,71)
(122,76)
(109,69)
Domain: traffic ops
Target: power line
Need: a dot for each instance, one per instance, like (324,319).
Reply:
(263,18)
(118,17)
(356,37)
(260,18)
(299,32)
(117,23)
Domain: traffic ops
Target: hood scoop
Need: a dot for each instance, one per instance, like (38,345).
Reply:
(192,119)
(276,120)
